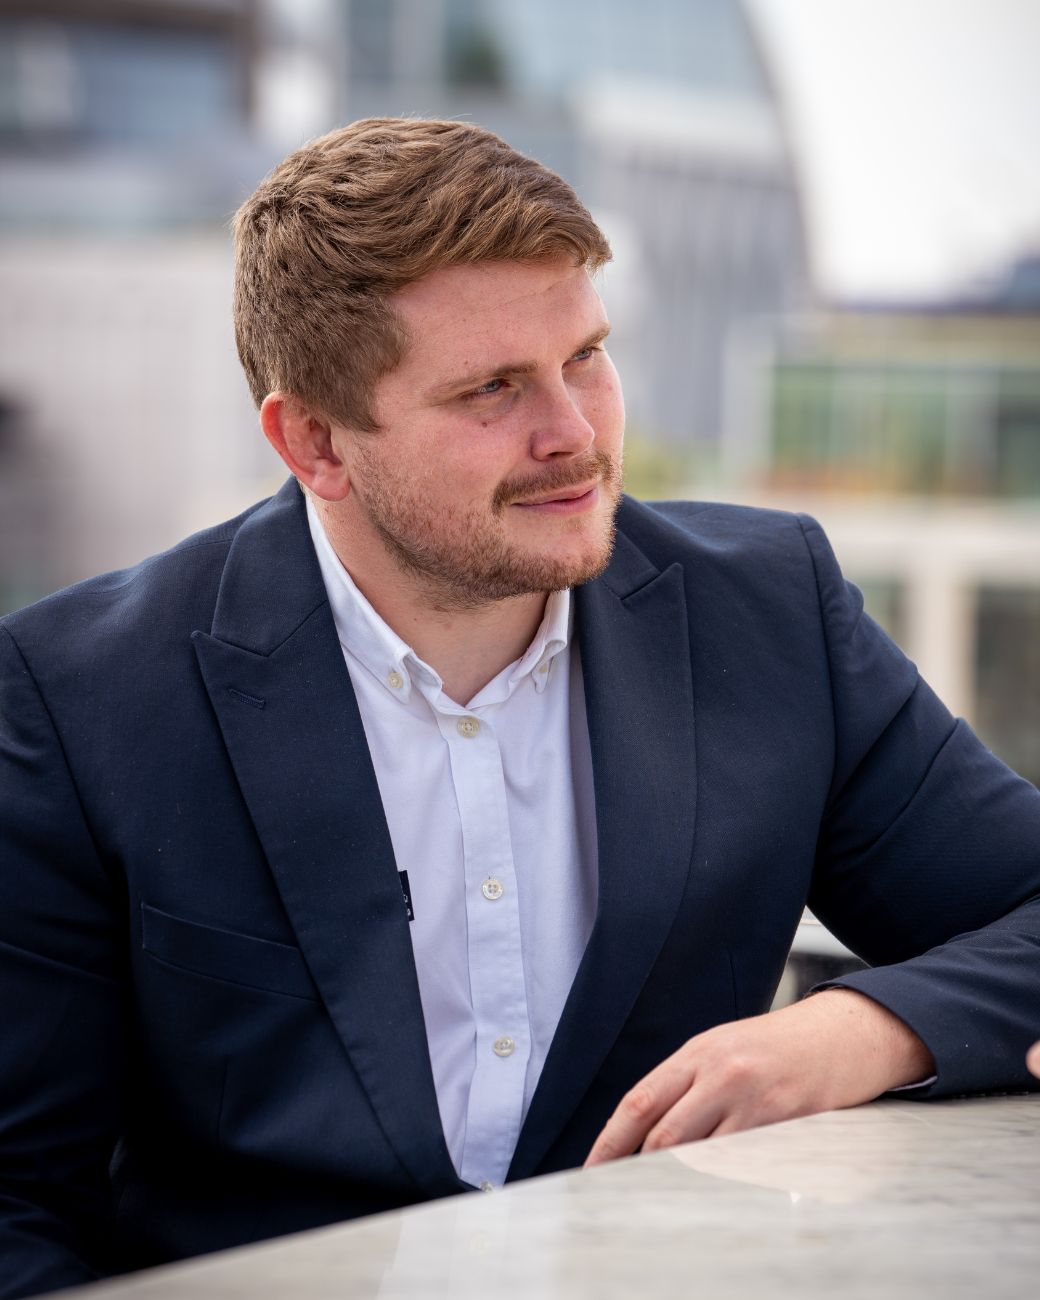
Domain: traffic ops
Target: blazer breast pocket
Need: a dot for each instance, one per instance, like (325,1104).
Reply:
(226,955)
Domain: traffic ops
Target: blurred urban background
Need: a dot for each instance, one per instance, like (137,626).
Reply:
(826,291)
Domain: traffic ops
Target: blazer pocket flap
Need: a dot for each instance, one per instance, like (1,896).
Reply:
(225,954)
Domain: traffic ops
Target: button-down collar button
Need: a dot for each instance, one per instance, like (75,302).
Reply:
(485,1186)
(394,679)
(492,888)
(467,727)
(543,668)
(503,1046)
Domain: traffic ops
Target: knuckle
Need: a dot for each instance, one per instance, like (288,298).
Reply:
(638,1102)
(662,1137)
(740,1069)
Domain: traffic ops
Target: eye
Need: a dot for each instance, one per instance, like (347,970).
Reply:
(585,353)
(489,389)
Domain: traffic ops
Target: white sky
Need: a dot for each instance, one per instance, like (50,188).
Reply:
(916,125)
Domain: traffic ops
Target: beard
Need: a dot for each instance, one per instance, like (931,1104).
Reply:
(465,560)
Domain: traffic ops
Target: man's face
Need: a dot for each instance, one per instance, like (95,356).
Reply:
(497,469)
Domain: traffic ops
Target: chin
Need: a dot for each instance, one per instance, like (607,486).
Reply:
(581,567)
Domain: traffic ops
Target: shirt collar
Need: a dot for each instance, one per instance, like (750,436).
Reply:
(366,636)
(392,661)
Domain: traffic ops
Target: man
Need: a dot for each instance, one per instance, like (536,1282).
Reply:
(411,832)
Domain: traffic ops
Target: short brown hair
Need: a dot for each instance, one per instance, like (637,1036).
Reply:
(348,220)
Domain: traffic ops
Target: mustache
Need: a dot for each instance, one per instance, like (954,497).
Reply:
(596,465)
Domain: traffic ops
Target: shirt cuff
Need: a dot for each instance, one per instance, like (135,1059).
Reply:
(909,1087)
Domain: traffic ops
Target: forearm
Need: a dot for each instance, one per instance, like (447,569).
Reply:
(973,1000)
(864,1049)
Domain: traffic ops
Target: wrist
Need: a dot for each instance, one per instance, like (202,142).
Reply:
(871,1049)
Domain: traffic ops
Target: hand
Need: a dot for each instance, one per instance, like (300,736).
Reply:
(837,1048)
(1033,1060)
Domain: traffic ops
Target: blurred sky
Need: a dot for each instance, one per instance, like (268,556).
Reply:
(919,130)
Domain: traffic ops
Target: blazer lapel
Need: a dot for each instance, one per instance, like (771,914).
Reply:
(282,695)
(635,655)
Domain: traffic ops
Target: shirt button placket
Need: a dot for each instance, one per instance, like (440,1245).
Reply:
(499,1000)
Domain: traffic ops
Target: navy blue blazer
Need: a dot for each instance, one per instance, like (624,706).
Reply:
(212,1030)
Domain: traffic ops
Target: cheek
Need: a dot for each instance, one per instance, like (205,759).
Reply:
(471,476)
(605,411)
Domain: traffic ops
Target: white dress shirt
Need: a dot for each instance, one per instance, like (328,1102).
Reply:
(491,814)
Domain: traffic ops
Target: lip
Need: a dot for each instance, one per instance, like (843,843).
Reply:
(564,501)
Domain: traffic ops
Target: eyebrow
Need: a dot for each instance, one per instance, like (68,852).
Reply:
(486,373)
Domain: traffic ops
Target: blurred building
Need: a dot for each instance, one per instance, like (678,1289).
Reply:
(126,140)
(697,192)
(130,425)
(937,399)
(913,433)
(121,115)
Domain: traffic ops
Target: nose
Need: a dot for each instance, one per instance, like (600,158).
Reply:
(560,427)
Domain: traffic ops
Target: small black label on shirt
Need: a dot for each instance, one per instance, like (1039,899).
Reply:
(403,877)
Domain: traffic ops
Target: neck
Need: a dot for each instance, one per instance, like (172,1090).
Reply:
(467,644)
(468,647)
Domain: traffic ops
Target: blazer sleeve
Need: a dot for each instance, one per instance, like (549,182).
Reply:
(62,1039)
(928,861)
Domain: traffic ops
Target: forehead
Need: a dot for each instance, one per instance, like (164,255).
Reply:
(467,315)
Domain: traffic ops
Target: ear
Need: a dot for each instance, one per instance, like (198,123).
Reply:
(307,444)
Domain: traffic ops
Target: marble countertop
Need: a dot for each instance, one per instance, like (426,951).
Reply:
(894,1199)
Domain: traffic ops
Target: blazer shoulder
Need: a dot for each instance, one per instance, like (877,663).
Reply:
(732,535)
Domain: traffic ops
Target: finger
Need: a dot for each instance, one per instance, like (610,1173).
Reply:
(694,1116)
(729,1124)
(639,1110)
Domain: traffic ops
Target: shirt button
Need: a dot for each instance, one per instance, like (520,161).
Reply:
(485,1186)
(543,668)
(467,727)
(395,680)
(492,888)
(504,1046)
